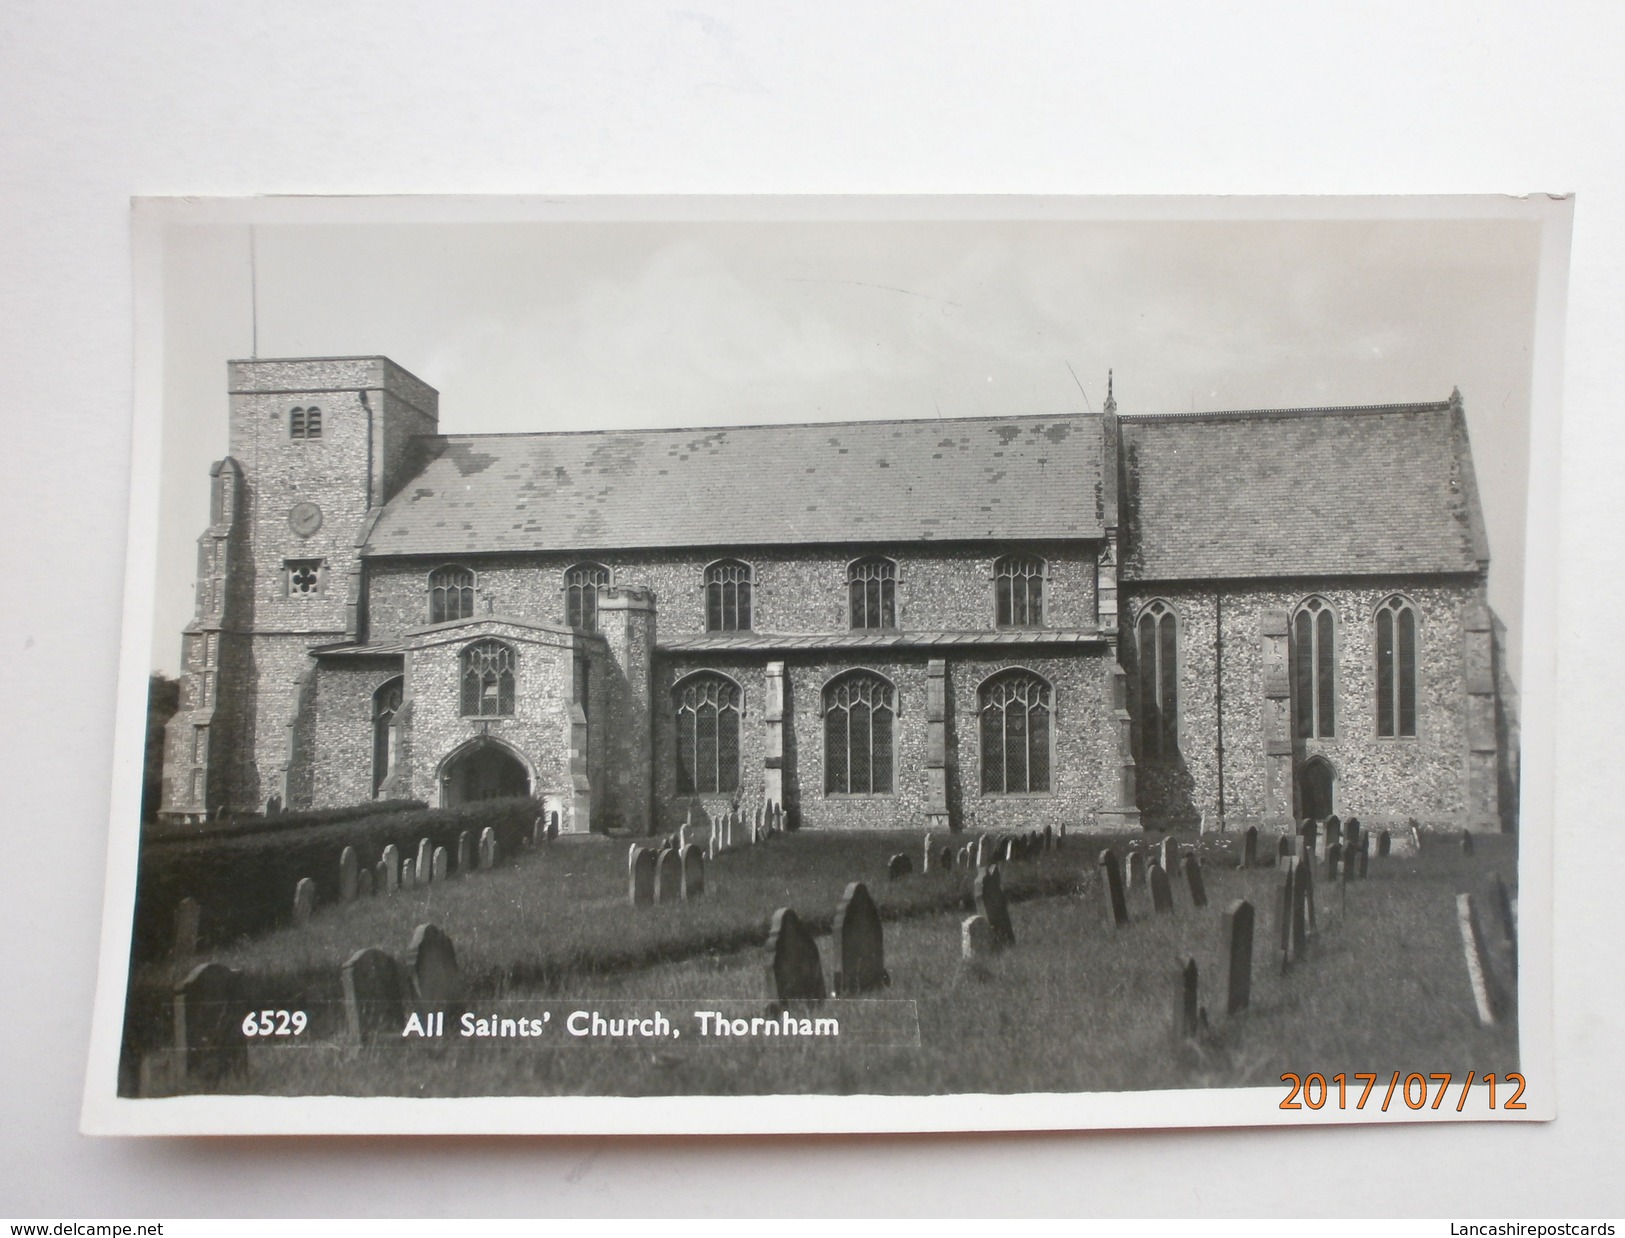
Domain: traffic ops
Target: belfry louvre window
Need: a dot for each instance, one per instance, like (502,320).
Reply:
(1396,669)
(451,594)
(707,735)
(305,423)
(727,597)
(386,702)
(1314,671)
(1157,651)
(1018,590)
(581,585)
(304,577)
(872,588)
(1015,709)
(859,712)
(488,681)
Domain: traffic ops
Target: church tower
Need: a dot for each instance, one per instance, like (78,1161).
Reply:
(317,446)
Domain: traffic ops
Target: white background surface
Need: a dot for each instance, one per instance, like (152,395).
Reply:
(101,102)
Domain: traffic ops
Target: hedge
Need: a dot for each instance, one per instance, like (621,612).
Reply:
(164,835)
(244,881)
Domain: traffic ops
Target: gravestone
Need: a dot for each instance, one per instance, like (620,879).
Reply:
(668,876)
(552,825)
(465,851)
(488,848)
(1193,880)
(899,867)
(1003,853)
(1170,854)
(383,878)
(1049,839)
(1309,833)
(189,917)
(794,970)
(640,866)
(408,877)
(991,903)
(1334,857)
(1485,996)
(1136,869)
(304,901)
(1289,904)
(1416,833)
(945,859)
(1239,937)
(925,866)
(441,864)
(1111,884)
(431,967)
(691,861)
(1185,1002)
(976,938)
(374,996)
(860,952)
(1162,897)
(1353,831)
(682,836)
(1302,899)
(423,870)
(984,851)
(1365,853)
(1349,856)
(392,868)
(1249,847)
(1385,843)
(964,857)
(363,883)
(347,869)
(1334,831)
(1466,842)
(1285,846)
(538,830)
(1504,918)
(209,1010)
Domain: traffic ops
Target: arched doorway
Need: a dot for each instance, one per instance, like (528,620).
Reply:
(484,770)
(1316,782)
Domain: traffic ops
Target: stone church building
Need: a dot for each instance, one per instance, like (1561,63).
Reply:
(1097,620)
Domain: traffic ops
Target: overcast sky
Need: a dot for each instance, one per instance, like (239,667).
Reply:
(563,325)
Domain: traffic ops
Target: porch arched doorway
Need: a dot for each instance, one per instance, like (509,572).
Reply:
(1317,782)
(483,770)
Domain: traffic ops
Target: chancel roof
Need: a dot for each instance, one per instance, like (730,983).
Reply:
(1385,490)
(965,479)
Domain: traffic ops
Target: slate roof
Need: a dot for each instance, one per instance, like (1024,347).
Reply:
(964,479)
(1385,490)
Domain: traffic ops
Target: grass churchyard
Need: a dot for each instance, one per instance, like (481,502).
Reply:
(1051,993)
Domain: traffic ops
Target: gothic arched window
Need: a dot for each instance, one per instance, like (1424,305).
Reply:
(581,585)
(871,586)
(1018,591)
(1396,669)
(1157,654)
(488,667)
(707,734)
(727,596)
(859,710)
(1015,709)
(386,703)
(451,594)
(1314,671)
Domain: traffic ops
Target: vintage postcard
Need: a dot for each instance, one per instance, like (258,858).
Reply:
(686,665)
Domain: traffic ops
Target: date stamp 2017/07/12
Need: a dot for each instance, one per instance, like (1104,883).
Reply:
(1314,1091)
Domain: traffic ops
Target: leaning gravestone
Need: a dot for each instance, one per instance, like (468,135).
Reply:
(640,867)
(304,901)
(1162,898)
(691,860)
(392,868)
(347,870)
(860,952)
(441,864)
(794,970)
(363,883)
(431,967)
(488,848)
(1239,937)
(1249,847)
(209,1011)
(374,996)
(668,876)
(1186,1019)
(1111,882)
(1193,880)
(465,851)
(899,867)
(976,938)
(424,868)
(990,901)
(189,917)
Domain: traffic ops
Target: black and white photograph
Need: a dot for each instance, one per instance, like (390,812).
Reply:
(769,665)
